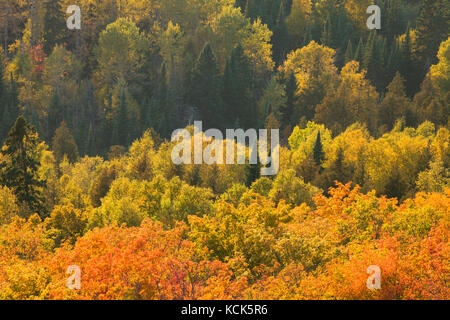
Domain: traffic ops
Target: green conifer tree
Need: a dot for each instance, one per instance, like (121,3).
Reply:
(204,93)
(20,171)
(432,28)
(318,153)
(349,52)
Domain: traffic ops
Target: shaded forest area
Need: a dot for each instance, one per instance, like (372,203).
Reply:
(86,176)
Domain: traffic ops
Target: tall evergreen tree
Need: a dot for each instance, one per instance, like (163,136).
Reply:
(236,89)
(2,86)
(369,56)
(55,115)
(20,171)
(318,153)
(409,67)
(9,108)
(348,52)
(204,93)
(121,128)
(89,145)
(280,38)
(54,25)
(359,52)
(3,104)
(162,113)
(287,110)
(432,29)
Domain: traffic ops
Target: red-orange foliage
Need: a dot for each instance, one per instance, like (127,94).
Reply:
(139,263)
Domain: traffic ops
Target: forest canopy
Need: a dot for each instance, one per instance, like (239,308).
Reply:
(86,177)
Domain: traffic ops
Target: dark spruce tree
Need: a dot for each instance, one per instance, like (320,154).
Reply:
(236,89)
(10,109)
(287,111)
(280,39)
(121,128)
(20,171)
(55,115)
(54,25)
(432,28)
(358,56)
(162,114)
(3,105)
(318,153)
(348,53)
(409,67)
(2,86)
(204,93)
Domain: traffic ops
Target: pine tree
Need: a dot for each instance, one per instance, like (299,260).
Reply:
(337,171)
(89,145)
(432,29)
(163,106)
(55,115)
(20,171)
(280,39)
(10,109)
(318,153)
(348,52)
(359,52)
(409,68)
(327,33)
(54,25)
(121,128)
(13,99)
(228,91)
(236,89)
(308,37)
(204,93)
(3,104)
(369,56)
(2,87)
(288,110)
(393,61)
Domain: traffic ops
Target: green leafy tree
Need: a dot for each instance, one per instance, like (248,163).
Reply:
(395,104)
(63,144)
(121,54)
(440,73)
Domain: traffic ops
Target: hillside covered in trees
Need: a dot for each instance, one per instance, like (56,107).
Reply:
(86,176)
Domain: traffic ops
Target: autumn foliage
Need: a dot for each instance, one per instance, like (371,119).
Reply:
(257,250)
(87,180)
